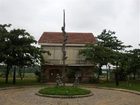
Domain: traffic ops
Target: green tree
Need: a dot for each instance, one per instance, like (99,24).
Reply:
(107,50)
(4,45)
(19,50)
(107,39)
(98,55)
(134,62)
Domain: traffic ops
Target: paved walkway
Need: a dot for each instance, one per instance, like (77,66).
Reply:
(26,96)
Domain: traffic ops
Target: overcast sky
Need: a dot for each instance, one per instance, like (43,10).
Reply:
(37,16)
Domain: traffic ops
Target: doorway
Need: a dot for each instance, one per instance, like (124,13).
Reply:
(53,73)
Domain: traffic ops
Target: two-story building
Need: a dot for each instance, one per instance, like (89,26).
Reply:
(52,42)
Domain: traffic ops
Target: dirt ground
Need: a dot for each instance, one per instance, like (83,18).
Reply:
(26,96)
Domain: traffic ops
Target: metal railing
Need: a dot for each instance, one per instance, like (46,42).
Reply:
(58,61)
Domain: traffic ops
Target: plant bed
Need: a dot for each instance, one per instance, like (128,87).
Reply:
(64,92)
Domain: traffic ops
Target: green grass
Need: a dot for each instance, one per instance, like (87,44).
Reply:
(67,90)
(24,82)
(131,85)
(29,79)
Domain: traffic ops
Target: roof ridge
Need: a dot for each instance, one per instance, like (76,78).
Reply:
(70,32)
(73,37)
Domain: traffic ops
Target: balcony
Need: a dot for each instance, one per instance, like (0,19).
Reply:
(68,62)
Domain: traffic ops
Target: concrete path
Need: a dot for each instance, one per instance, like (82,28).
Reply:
(26,96)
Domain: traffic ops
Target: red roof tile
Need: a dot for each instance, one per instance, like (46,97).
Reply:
(73,38)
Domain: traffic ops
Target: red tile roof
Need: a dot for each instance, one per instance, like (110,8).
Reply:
(73,38)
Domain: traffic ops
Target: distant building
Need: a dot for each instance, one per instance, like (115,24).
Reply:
(52,42)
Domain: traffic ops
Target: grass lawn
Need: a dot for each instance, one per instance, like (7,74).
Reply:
(131,85)
(29,79)
(67,90)
(24,82)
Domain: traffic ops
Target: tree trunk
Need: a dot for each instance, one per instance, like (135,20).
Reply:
(107,72)
(99,72)
(7,74)
(98,77)
(107,76)
(65,38)
(21,73)
(134,73)
(116,79)
(64,75)
(14,75)
(117,75)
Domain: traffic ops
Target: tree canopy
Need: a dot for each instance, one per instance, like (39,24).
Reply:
(17,48)
(109,49)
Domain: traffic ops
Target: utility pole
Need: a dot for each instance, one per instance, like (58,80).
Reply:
(64,49)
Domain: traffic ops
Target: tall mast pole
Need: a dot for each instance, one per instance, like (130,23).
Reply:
(64,49)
